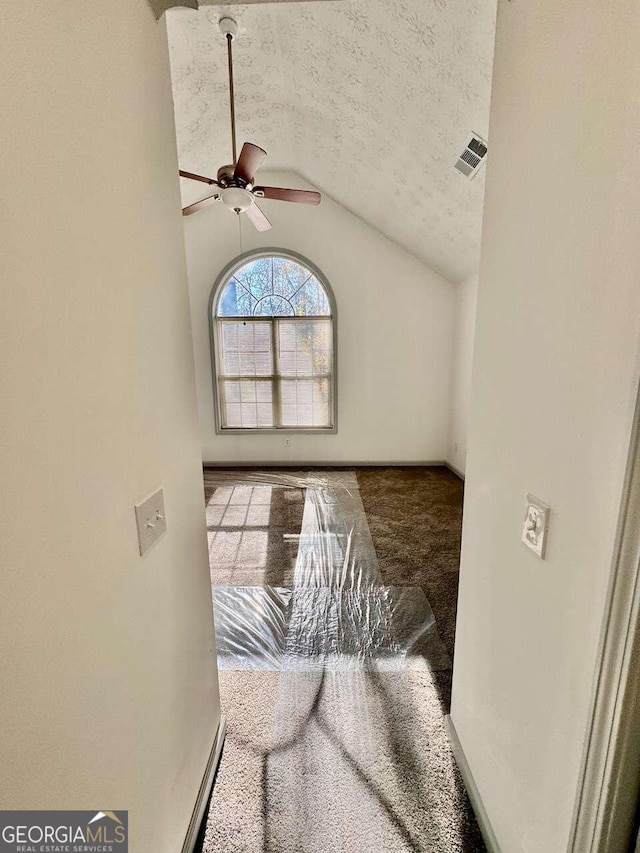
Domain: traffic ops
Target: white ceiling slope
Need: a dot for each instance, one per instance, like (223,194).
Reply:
(371,101)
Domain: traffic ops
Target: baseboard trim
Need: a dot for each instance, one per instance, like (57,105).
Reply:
(205,788)
(473,793)
(454,470)
(439,463)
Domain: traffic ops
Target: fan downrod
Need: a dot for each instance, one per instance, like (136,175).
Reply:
(236,180)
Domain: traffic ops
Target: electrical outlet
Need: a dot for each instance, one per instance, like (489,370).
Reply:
(150,520)
(287,442)
(536,526)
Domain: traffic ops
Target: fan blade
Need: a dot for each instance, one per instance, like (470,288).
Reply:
(249,162)
(258,218)
(205,202)
(284,194)
(197,177)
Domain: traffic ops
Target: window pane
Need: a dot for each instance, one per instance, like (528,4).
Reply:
(273,287)
(231,392)
(311,300)
(246,404)
(235,300)
(305,402)
(245,349)
(278,296)
(305,347)
(273,306)
(288,276)
(257,277)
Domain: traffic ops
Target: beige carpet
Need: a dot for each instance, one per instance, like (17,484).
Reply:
(336,760)
(355,763)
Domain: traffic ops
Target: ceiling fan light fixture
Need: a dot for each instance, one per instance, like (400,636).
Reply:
(236,199)
(237,179)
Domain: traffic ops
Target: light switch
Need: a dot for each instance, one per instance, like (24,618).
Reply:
(150,520)
(536,526)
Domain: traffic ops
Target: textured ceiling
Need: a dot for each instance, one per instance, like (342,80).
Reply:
(371,101)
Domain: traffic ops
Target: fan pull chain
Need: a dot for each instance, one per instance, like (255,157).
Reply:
(244,322)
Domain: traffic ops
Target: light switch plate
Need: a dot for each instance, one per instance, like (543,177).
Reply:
(150,520)
(536,526)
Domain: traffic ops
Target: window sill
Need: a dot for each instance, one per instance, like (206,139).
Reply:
(277,431)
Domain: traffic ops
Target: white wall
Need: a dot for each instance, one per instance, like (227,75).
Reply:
(109,689)
(554,382)
(462,362)
(395,319)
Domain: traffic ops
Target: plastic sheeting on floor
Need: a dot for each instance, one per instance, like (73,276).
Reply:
(337,613)
(338,727)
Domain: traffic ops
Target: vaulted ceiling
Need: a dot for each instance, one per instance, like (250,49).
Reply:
(372,101)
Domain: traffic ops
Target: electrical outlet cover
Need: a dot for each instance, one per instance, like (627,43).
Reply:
(536,526)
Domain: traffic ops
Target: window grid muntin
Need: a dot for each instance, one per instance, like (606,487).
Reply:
(254,296)
(276,378)
(321,296)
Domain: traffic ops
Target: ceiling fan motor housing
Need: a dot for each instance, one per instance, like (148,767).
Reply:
(226,178)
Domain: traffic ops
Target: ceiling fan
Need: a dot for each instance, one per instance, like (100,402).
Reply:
(236,182)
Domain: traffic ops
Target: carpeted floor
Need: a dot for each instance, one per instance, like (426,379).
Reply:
(326,758)
(415,518)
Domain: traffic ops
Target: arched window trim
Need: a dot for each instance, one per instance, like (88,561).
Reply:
(214,299)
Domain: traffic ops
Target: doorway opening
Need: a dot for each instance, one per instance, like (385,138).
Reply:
(334,595)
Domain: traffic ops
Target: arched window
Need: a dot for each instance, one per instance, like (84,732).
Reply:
(273,320)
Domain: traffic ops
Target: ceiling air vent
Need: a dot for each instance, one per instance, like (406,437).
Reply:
(472,156)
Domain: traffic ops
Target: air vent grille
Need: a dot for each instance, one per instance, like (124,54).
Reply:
(472,156)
